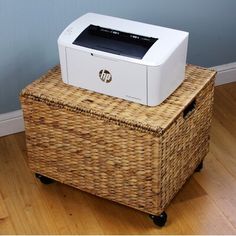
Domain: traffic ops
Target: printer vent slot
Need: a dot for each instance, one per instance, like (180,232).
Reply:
(114,41)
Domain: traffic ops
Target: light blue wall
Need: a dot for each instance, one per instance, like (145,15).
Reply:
(29,30)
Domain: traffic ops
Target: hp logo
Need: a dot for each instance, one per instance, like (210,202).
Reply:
(105,76)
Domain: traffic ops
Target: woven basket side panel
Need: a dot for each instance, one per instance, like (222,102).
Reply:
(94,155)
(185,144)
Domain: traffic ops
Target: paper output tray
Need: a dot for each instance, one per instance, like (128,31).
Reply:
(114,41)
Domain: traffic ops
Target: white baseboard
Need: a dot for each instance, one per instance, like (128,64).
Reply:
(226,73)
(11,122)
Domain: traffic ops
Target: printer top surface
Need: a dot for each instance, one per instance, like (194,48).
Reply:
(122,39)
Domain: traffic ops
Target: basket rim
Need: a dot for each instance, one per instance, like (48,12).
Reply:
(31,92)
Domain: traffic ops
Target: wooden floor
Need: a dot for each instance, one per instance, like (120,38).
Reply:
(205,205)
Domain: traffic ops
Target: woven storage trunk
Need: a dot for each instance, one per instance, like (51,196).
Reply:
(133,154)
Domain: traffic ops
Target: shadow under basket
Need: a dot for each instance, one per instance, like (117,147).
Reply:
(132,154)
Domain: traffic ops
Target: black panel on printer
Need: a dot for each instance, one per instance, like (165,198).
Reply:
(114,41)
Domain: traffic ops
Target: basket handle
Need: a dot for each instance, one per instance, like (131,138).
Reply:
(189,109)
(87,101)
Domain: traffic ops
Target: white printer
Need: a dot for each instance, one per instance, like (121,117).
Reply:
(131,60)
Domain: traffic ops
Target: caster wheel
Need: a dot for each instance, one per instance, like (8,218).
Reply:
(159,220)
(199,167)
(43,179)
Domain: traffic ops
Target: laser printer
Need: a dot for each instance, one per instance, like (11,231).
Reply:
(131,60)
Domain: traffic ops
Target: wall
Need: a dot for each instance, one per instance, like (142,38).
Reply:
(29,30)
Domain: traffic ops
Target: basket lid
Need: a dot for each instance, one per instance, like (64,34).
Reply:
(51,89)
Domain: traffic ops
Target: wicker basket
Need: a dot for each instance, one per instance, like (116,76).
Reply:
(133,154)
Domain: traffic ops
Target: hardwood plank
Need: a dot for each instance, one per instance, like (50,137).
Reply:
(220,185)
(6,226)
(225,106)
(223,147)
(202,216)
(22,198)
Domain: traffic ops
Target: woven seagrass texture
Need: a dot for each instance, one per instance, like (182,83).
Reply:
(184,145)
(133,154)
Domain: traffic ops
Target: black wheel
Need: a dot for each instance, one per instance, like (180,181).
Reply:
(199,167)
(159,220)
(43,179)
